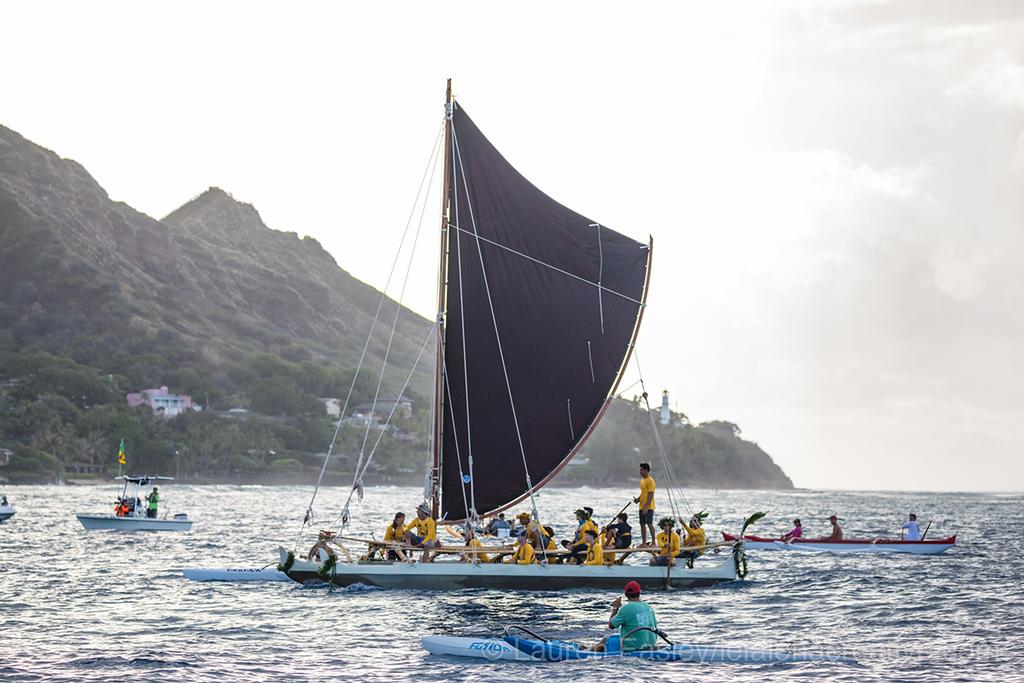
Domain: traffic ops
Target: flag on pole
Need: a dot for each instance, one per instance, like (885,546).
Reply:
(120,454)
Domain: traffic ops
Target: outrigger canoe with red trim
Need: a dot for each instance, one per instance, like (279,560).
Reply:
(862,545)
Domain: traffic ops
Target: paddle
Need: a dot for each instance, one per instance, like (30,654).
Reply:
(926,530)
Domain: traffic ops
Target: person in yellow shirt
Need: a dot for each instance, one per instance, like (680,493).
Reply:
(395,533)
(695,537)
(668,543)
(578,545)
(646,502)
(524,552)
(595,554)
(472,542)
(426,532)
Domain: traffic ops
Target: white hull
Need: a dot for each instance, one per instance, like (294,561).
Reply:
(929,549)
(134,523)
(479,648)
(232,574)
(446,575)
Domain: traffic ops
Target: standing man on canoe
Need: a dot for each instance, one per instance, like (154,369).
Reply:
(646,502)
(635,614)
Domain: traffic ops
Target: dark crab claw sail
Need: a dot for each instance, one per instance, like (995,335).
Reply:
(542,307)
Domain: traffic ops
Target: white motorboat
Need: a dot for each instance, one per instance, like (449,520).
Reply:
(130,513)
(6,512)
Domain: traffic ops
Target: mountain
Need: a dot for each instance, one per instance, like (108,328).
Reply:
(85,275)
(98,299)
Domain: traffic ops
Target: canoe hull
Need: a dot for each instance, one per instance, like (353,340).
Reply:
(883,545)
(535,577)
(558,651)
(490,649)
(93,522)
(6,513)
(233,574)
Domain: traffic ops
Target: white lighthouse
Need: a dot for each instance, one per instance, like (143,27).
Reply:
(665,415)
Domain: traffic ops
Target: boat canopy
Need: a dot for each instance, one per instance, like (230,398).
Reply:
(541,310)
(143,480)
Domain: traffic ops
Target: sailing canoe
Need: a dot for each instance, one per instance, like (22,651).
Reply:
(443,575)
(864,545)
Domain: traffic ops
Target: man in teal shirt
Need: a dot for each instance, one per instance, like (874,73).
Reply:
(627,618)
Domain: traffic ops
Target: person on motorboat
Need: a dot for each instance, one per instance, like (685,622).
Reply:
(153,501)
(837,532)
(395,533)
(595,553)
(4,503)
(635,614)
(524,551)
(322,543)
(913,531)
(496,523)
(668,543)
(796,532)
(426,531)
(646,502)
(695,538)
(473,543)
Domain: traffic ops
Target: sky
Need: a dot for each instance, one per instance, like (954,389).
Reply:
(834,189)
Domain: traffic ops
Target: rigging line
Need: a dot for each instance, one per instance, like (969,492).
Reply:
(497,336)
(481,238)
(669,469)
(455,437)
(398,304)
(361,471)
(431,163)
(462,325)
(600,274)
(568,406)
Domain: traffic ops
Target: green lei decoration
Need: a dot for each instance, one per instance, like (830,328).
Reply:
(288,563)
(327,568)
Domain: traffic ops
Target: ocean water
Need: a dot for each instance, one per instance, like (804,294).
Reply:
(107,605)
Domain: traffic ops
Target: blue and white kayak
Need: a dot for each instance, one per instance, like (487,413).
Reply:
(560,651)
(234,574)
(490,649)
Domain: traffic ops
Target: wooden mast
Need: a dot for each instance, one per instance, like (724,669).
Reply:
(442,277)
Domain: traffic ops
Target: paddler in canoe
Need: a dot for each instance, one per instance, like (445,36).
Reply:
(618,535)
(473,543)
(695,538)
(524,550)
(837,532)
(796,532)
(668,543)
(578,545)
(635,614)
(910,529)
(395,533)
(425,535)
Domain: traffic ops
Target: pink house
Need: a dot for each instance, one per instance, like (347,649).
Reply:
(161,401)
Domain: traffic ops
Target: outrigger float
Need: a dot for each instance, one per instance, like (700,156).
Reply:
(852,545)
(133,517)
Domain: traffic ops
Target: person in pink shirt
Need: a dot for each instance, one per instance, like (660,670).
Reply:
(796,532)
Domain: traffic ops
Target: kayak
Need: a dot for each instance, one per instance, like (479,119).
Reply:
(559,651)
(867,545)
(233,574)
(490,649)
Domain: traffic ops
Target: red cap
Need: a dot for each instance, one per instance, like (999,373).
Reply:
(632,588)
